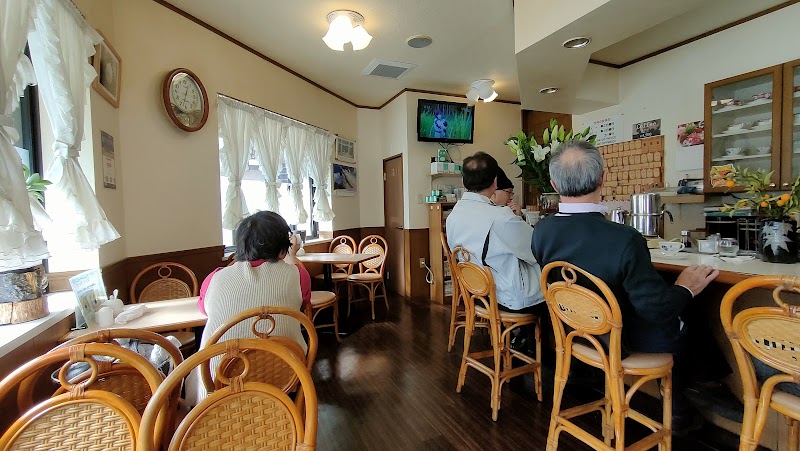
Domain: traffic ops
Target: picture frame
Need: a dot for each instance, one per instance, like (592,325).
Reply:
(108,65)
(345,150)
(345,180)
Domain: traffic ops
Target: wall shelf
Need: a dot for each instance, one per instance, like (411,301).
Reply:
(683,199)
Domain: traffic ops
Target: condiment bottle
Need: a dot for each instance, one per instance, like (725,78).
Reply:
(687,243)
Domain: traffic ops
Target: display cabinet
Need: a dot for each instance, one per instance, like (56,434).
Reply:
(442,283)
(743,125)
(790,168)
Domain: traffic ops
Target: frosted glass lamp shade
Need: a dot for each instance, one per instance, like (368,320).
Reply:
(360,38)
(472,95)
(340,32)
(491,97)
(485,90)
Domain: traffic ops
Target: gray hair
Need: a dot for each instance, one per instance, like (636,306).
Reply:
(578,173)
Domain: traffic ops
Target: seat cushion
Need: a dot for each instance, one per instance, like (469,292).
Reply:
(319,298)
(636,361)
(337,276)
(506,316)
(365,277)
(786,402)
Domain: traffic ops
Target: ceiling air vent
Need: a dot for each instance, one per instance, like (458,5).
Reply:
(388,69)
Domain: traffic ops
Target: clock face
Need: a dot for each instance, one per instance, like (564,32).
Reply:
(186,101)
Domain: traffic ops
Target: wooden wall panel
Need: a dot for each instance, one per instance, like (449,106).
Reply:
(416,247)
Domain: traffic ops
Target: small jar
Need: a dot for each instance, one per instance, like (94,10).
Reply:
(687,243)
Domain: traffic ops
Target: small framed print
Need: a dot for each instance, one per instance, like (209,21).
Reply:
(345,180)
(108,65)
(345,150)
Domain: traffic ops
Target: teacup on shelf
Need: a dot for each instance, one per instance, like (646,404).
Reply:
(733,151)
(764,123)
(738,127)
(763,150)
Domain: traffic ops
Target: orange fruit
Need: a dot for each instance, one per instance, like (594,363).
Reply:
(764,204)
(730,183)
(780,203)
(741,203)
(785,197)
(766,196)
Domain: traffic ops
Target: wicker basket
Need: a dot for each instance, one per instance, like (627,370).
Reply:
(22,295)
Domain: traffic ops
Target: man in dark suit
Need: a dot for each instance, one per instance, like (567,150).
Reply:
(618,255)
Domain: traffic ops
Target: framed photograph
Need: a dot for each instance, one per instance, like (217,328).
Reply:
(108,65)
(345,150)
(345,180)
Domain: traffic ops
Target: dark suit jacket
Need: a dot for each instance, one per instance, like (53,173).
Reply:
(618,255)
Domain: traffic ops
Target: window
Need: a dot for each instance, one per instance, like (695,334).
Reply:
(26,121)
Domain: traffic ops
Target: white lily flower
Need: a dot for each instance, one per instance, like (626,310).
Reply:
(540,153)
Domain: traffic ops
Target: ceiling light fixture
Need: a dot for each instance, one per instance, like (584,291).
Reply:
(346,26)
(482,89)
(550,90)
(576,43)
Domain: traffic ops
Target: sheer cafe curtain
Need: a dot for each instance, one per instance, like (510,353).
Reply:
(236,127)
(297,141)
(60,48)
(268,144)
(21,245)
(320,151)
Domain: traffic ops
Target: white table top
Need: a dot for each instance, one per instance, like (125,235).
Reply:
(335,259)
(729,272)
(161,316)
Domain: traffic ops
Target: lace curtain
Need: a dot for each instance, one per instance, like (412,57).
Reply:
(21,245)
(297,140)
(268,144)
(320,151)
(236,127)
(60,48)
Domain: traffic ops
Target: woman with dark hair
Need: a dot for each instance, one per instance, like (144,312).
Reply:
(260,276)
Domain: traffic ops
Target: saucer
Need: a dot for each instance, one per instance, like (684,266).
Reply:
(737,259)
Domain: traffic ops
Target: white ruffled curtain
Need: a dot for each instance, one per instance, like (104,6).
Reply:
(268,144)
(320,151)
(60,48)
(236,127)
(21,245)
(297,141)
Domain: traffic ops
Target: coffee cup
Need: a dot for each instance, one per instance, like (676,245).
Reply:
(671,248)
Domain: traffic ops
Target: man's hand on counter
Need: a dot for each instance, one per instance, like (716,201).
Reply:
(696,277)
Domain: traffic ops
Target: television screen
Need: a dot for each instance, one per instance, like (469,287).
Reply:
(445,122)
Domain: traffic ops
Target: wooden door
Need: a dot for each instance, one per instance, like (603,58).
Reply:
(393,208)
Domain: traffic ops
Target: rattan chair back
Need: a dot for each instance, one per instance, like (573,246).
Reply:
(770,335)
(267,367)
(165,286)
(373,245)
(82,417)
(342,244)
(452,265)
(457,316)
(476,283)
(242,415)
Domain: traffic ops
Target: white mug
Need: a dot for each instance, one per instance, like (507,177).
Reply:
(299,239)
(105,317)
(671,248)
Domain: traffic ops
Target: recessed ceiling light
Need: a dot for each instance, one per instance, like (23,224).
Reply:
(549,90)
(576,43)
(419,42)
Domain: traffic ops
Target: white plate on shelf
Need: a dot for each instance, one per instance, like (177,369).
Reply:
(737,259)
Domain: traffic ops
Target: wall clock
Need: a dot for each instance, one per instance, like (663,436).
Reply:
(185,100)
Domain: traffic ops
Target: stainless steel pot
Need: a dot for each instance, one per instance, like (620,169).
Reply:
(619,216)
(647,214)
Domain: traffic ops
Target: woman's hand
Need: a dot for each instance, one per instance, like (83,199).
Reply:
(295,245)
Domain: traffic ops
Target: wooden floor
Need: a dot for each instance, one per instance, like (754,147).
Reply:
(390,385)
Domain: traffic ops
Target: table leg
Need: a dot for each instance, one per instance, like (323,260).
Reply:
(327,273)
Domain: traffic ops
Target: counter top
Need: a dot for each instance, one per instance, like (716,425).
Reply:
(730,273)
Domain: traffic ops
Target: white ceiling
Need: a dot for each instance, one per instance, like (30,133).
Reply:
(472,39)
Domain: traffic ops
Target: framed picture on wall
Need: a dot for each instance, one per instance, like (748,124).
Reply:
(345,150)
(108,65)
(345,180)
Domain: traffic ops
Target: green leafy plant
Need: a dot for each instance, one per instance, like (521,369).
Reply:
(533,157)
(757,198)
(36,184)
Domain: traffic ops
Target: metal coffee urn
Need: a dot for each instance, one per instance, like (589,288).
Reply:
(647,214)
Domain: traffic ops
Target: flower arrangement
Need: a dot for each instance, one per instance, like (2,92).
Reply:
(533,158)
(757,199)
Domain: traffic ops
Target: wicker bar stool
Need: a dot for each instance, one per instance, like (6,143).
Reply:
(588,316)
(342,244)
(477,285)
(241,415)
(772,336)
(321,300)
(458,316)
(371,275)
(81,416)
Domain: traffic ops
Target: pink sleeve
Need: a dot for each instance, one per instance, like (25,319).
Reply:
(305,285)
(201,305)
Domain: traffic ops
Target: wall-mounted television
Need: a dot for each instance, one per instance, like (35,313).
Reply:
(445,122)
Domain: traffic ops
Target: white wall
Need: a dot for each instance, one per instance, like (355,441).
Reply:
(370,167)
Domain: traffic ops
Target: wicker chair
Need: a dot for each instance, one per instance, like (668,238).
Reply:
(458,318)
(242,415)
(342,244)
(321,300)
(165,286)
(370,276)
(267,367)
(477,286)
(579,317)
(771,335)
(82,417)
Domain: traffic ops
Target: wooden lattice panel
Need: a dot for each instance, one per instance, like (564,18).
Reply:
(633,167)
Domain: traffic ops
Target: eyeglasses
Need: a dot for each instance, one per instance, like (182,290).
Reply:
(510,191)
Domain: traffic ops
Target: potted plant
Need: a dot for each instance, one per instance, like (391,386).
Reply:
(778,231)
(533,157)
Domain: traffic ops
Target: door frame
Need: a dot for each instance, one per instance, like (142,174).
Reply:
(404,286)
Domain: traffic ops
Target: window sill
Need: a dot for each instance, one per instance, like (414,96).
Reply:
(61,305)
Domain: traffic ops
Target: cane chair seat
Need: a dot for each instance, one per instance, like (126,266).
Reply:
(631,364)
(322,298)
(335,277)
(506,316)
(241,415)
(368,277)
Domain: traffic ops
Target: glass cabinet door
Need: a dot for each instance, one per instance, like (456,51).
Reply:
(743,123)
(791,123)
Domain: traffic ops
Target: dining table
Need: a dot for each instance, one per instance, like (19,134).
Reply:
(160,316)
(328,259)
